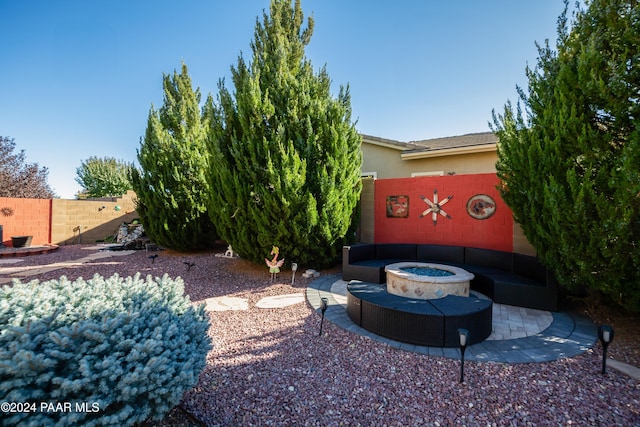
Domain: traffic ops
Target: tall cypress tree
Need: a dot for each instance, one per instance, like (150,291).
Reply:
(171,186)
(571,168)
(285,156)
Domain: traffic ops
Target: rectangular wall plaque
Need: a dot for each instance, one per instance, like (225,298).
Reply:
(397,206)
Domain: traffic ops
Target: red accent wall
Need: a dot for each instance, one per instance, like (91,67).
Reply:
(495,232)
(26,217)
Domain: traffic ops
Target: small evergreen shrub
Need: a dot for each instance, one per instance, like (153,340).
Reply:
(112,351)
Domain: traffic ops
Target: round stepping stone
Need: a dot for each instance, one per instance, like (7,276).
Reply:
(226,304)
(107,254)
(280,301)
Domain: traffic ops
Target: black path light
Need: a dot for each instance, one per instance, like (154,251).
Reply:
(463,336)
(605,334)
(323,308)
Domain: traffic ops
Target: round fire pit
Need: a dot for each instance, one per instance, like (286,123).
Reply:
(422,280)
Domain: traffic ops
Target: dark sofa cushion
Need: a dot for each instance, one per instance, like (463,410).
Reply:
(529,266)
(441,253)
(397,251)
(483,284)
(489,258)
(375,268)
(510,279)
(380,263)
(479,269)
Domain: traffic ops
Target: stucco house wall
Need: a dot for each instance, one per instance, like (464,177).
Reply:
(387,163)
(383,162)
(465,154)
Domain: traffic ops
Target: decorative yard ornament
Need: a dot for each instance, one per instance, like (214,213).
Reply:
(274,264)
(7,211)
(229,253)
(435,208)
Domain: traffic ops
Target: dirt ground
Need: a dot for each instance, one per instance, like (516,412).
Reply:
(625,346)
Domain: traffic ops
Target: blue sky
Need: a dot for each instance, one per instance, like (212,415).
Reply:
(77,77)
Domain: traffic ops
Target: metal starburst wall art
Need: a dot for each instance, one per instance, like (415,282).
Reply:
(435,207)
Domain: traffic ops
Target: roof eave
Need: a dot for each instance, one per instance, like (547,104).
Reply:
(425,154)
(388,143)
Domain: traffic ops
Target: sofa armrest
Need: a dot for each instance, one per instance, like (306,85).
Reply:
(355,253)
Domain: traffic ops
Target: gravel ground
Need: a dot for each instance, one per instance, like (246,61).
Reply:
(270,367)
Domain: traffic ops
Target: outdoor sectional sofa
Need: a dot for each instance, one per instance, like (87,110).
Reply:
(505,277)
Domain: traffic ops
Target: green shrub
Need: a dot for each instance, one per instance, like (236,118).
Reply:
(126,346)
(285,156)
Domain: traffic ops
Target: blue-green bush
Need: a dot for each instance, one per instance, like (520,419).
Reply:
(112,351)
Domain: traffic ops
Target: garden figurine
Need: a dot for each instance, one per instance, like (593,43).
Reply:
(274,264)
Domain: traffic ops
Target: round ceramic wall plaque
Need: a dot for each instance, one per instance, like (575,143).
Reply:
(481,206)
